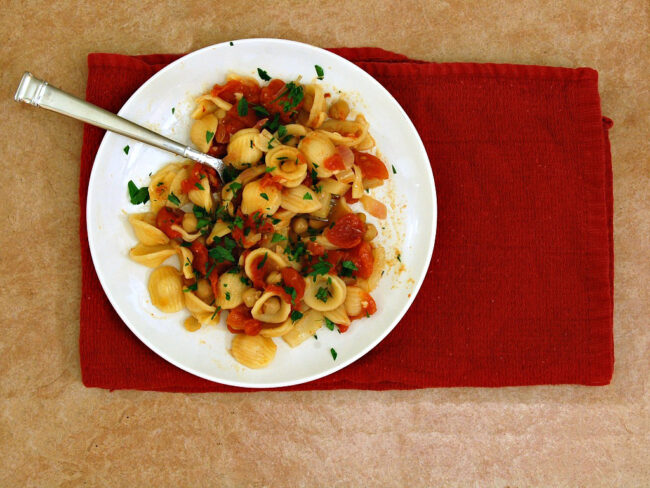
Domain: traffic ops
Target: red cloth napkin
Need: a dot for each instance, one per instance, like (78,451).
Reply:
(519,291)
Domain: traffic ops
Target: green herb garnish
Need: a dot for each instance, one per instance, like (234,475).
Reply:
(320,268)
(208,136)
(307,196)
(126,149)
(221,254)
(329,324)
(322,294)
(263,261)
(138,195)
(199,186)
(264,196)
(263,74)
(278,237)
(295,315)
(319,72)
(347,267)
(174,199)
(394,170)
(334,354)
(260,111)
(191,287)
(242,107)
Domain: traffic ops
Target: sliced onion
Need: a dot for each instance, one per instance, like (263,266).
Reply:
(374,207)
(346,154)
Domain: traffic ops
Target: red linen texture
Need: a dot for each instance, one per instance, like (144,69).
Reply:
(520,287)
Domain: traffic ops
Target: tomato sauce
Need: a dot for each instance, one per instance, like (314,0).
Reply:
(347,231)
(200,255)
(370,166)
(334,162)
(363,259)
(240,320)
(168,217)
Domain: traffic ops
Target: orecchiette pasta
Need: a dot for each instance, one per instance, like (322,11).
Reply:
(275,243)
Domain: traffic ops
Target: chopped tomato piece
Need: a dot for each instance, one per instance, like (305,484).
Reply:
(166,218)
(347,231)
(248,88)
(370,166)
(348,197)
(240,319)
(343,328)
(214,283)
(274,99)
(291,277)
(368,306)
(260,271)
(197,173)
(248,120)
(334,162)
(363,259)
(200,255)
(269,180)
(334,258)
(315,249)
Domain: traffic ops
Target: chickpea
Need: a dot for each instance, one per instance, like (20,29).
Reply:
(204,290)
(339,110)
(271,306)
(189,222)
(362,217)
(191,324)
(273,278)
(250,296)
(299,225)
(371,233)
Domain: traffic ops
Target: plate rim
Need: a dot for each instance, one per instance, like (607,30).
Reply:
(336,367)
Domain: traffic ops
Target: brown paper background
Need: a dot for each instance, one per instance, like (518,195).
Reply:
(55,432)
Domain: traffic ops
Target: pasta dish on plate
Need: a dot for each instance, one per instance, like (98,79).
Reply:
(283,243)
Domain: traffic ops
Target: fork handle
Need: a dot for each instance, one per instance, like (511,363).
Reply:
(40,93)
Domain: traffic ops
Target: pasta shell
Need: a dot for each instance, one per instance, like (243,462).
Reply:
(185,258)
(277,331)
(378,268)
(230,290)
(300,199)
(353,299)
(304,328)
(317,148)
(204,106)
(147,233)
(244,177)
(253,351)
(185,235)
(202,198)
(166,289)
(255,198)
(242,152)
(271,308)
(357,184)
(220,229)
(273,260)
(151,256)
(316,104)
(334,187)
(344,132)
(324,199)
(159,189)
(176,188)
(293,135)
(203,131)
(287,164)
(339,316)
(325,293)
(284,216)
(204,313)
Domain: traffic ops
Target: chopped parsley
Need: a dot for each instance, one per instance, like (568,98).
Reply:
(264,196)
(314,174)
(318,188)
(245,280)
(275,221)
(227,295)
(269,169)
(322,294)
(272,125)
(221,254)
(186,244)
(238,222)
(173,110)
(295,315)
(291,291)
(235,187)
(199,186)
(207,275)
(218,309)
(229,174)
(334,354)
(278,237)
(126,149)
(394,170)
(399,258)
(270,145)
(263,261)
(263,74)
(233,270)
(231,43)
(160,183)
(282,131)
(329,324)
(242,107)
(315,337)
(202,222)
(307,196)
(347,267)
(138,195)
(294,94)
(174,199)
(192,287)
(260,111)
(319,72)
(295,253)
(320,268)
(208,136)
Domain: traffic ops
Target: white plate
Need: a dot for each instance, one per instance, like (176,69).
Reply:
(410,231)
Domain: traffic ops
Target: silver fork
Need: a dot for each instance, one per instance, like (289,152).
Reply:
(40,93)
